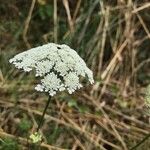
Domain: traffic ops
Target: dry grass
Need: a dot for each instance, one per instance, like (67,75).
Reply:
(113,38)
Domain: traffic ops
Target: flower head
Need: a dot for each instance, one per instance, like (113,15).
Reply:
(59,67)
(36,137)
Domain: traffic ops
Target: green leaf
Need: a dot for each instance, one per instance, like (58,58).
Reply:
(83,109)
(49,10)
(9,144)
(25,124)
(42,13)
(72,103)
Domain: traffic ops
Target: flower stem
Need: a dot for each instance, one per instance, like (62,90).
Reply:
(42,118)
(142,141)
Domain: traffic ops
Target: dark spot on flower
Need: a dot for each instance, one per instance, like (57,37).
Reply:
(58,47)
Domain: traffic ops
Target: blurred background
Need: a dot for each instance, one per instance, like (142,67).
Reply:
(113,37)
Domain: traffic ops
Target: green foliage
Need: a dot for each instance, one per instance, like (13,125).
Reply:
(45,11)
(72,103)
(122,103)
(114,89)
(24,125)
(54,133)
(92,21)
(80,107)
(83,109)
(9,144)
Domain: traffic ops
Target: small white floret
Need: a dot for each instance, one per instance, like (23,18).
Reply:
(39,87)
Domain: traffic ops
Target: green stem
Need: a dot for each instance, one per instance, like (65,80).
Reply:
(142,141)
(42,118)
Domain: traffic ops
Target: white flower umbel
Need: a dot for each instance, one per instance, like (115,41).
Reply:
(59,67)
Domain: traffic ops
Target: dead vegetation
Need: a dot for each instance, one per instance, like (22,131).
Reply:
(113,38)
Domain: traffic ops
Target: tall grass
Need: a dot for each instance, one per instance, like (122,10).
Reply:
(113,38)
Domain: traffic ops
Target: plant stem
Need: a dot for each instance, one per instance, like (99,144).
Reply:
(142,141)
(42,118)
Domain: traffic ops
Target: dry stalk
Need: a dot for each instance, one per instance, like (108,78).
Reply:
(106,23)
(115,42)
(25,141)
(92,42)
(120,114)
(131,127)
(104,126)
(96,103)
(139,67)
(55,21)
(110,68)
(27,22)
(70,21)
(76,10)
(71,124)
(34,111)
(2,80)
(87,134)
(143,24)
(74,147)
(79,143)
(106,81)
(114,59)
(81,36)
(141,8)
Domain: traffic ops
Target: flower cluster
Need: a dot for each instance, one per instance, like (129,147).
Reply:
(36,137)
(59,66)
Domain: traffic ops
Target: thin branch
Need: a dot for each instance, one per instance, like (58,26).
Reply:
(142,141)
(27,22)
(66,5)
(24,141)
(141,8)
(55,22)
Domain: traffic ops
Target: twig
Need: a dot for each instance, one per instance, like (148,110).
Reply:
(114,59)
(143,24)
(141,8)
(127,117)
(22,140)
(140,66)
(27,22)
(76,10)
(66,5)
(142,141)
(79,143)
(109,121)
(55,22)
(94,4)
(89,135)
(105,12)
